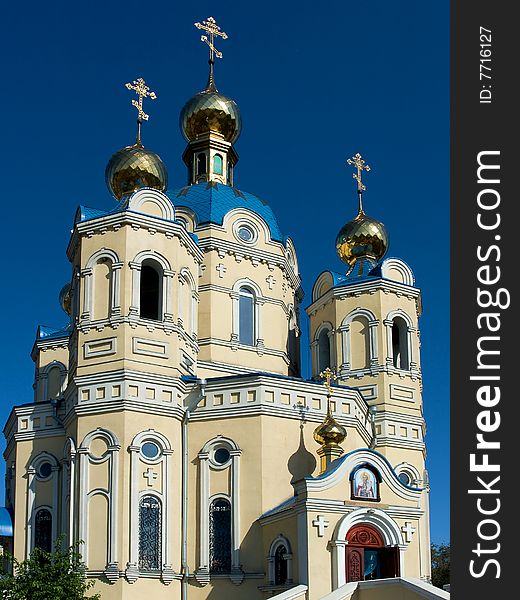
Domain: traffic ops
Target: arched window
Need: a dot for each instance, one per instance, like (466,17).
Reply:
(217,164)
(323,350)
(150,291)
(246,316)
(280,565)
(399,344)
(43,530)
(359,343)
(53,383)
(102,292)
(150,533)
(220,536)
(201,164)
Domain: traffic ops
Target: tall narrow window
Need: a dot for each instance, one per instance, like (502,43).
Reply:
(323,350)
(399,344)
(53,383)
(201,164)
(150,533)
(150,292)
(246,322)
(280,565)
(217,164)
(220,536)
(43,530)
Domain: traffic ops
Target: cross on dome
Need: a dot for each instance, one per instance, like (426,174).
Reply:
(358,162)
(328,375)
(143,91)
(214,30)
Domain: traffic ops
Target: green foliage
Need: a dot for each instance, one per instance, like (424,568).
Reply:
(440,564)
(57,575)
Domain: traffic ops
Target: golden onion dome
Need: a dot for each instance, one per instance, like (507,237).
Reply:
(362,238)
(133,168)
(210,111)
(330,432)
(65,298)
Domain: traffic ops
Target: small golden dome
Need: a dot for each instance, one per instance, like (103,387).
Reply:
(133,168)
(65,298)
(210,111)
(361,238)
(330,432)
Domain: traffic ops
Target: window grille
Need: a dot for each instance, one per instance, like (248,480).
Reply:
(150,533)
(280,566)
(43,530)
(220,536)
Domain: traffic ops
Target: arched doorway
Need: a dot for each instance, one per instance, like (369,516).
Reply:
(367,557)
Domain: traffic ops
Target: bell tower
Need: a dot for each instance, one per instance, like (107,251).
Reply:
(364,326)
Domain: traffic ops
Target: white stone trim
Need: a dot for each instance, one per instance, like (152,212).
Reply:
(373,323)
(258,301)
(164,461)
(114,308)
(68,491)
(376,517)
(137,199)
(43,376)
(280,540)
(89,348)
(32,506)
(315,348)
(203,571)
(156,347)
(166,275)
(112,494)
(388,322)
(395,263)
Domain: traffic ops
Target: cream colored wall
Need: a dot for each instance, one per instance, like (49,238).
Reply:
(127,242)
(222,270)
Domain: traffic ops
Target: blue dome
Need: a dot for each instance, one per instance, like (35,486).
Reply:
(212,201)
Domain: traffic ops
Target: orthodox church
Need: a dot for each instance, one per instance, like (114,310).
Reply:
(171,430)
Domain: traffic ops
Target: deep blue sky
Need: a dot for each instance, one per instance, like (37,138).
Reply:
(315,82)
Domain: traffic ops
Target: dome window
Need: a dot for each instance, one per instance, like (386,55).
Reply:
(201,164)
(245,232)
(217,164)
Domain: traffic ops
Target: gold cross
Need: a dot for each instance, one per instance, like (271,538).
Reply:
(142,90)
(359,163)
(213,29)
(329,376)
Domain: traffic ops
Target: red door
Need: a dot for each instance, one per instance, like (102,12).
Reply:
(355,565)
(382,561)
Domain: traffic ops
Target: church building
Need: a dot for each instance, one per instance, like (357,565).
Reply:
(171,430)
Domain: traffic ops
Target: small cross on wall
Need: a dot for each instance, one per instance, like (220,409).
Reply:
(320,523)
(408,531)
(150,475)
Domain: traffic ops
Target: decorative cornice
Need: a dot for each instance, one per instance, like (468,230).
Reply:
(355,289)
(135,220)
